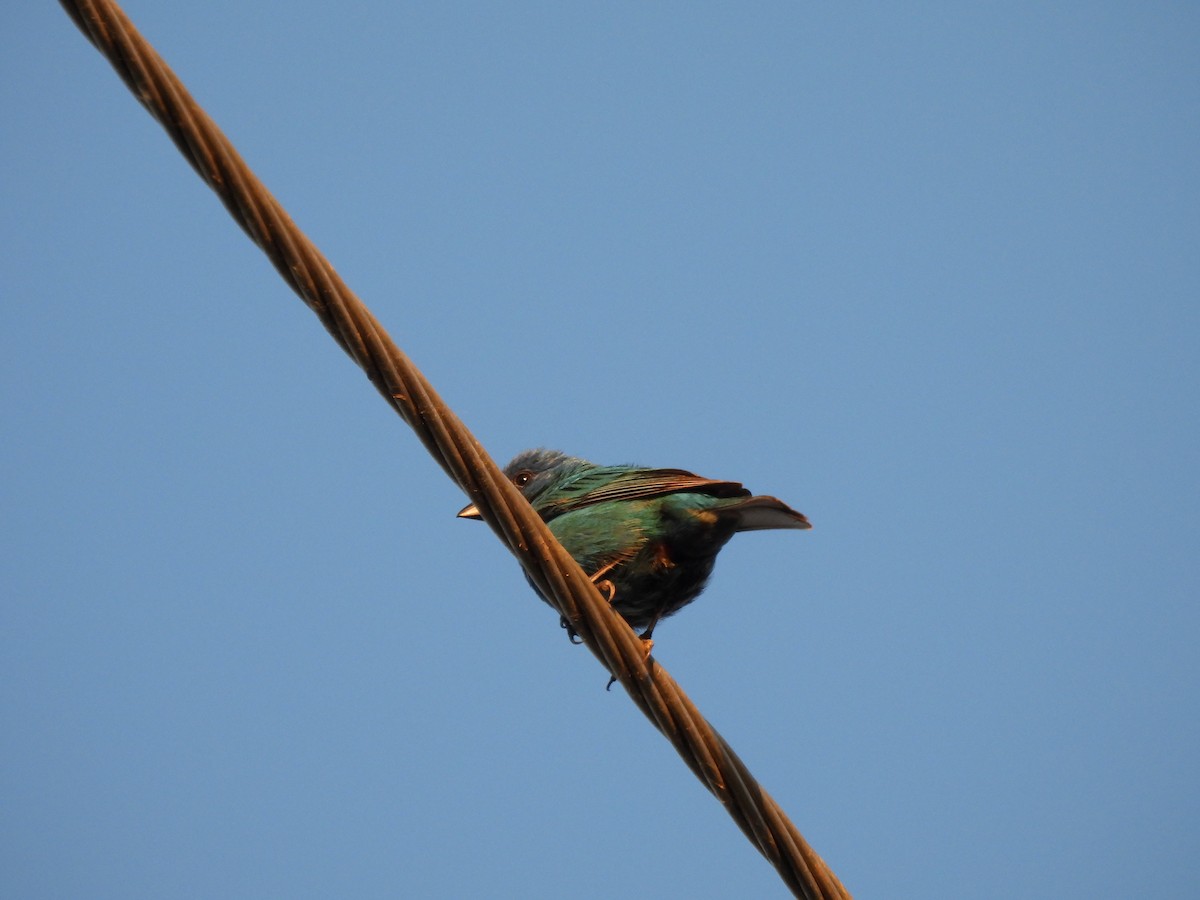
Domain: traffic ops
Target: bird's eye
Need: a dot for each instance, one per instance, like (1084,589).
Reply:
(522,478)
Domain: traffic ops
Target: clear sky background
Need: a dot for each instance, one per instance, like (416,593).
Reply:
(928,272)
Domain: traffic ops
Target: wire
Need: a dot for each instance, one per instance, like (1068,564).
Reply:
(358,332)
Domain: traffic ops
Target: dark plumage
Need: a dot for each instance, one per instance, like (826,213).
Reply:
(647,537)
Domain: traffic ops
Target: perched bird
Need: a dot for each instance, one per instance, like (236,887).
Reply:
(648,538)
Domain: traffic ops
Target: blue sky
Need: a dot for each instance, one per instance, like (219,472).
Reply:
(928,273)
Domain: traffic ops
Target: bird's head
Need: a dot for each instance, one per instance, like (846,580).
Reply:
(534,472)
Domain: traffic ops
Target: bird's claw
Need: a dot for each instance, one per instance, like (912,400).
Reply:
(572,634)
(647,646)
(607,588)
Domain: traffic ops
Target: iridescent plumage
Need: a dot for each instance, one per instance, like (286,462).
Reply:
(647,537)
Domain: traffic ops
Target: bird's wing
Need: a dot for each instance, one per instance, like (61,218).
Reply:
(609,483)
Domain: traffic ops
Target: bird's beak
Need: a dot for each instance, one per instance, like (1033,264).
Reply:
(469,512)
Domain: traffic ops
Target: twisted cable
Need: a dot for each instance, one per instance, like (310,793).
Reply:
(502,506)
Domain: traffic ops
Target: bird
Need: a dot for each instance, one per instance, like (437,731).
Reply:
(648,538)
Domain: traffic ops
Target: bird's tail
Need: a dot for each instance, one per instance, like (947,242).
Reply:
(762,513)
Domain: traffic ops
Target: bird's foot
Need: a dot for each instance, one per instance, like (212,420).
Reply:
(647,646)
(605,587)
(608,589)
(572,634)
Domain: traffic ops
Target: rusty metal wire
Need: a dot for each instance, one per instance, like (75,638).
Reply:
(311,276)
